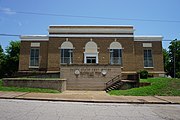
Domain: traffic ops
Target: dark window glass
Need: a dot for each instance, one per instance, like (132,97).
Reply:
(148,62)
(90,59)
(34,57)
(116,56)
(66,56)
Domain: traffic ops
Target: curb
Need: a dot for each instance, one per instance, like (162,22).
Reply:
(88,101)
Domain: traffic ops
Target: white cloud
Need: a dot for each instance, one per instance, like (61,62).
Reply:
(7,11)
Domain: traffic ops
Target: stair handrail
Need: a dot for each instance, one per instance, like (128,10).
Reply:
(113,80)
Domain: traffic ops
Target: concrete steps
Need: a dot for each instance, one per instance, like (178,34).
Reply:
(114,86)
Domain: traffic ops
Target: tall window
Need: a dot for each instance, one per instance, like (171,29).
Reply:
(91,52)
(34,57)
(148,62)
(66,52)
(115,53)
(115,56)
(66,56)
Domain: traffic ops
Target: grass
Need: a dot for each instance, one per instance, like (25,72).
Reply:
(20,89)
(159,86)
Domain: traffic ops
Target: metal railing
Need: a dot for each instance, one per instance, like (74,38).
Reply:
(113,80)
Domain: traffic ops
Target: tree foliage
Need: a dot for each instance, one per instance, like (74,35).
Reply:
(166,60)
(9,61)
(172,58)
(2,60)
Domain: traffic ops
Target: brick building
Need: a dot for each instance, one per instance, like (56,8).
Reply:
(87,52)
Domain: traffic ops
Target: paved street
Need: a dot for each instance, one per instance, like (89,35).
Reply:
(46,110)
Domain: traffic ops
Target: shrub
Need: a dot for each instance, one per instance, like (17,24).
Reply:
(178,74)
(143,74)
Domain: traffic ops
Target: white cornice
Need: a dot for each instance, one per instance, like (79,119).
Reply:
(34,38)
(46,37)
(88,35)
(148,38)
(91,30)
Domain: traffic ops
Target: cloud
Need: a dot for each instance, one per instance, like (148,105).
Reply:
(7,11)
(20,24)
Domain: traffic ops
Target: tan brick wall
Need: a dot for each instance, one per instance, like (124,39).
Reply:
(78,53)
(90,77)
(54,54)
(24,56)
(43,55)
(128,54)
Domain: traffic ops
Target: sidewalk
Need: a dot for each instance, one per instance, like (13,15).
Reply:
(91,96)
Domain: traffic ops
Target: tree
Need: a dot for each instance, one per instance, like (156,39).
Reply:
(174,56)
(166,60)
(2,60)
(12,58)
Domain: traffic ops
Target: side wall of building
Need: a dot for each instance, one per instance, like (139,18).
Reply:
(24,58)
(156,55)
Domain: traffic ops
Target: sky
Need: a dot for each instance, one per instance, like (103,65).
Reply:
(120,12)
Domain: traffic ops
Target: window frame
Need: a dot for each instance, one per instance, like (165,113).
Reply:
(86,55)
(148,58)
(70,58)
(34,59)
(111,51)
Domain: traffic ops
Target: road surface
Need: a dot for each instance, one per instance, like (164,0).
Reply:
(47,110)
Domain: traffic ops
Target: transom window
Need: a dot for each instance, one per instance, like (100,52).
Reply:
(148,61)
(34,57)
(115,53)
(90,59)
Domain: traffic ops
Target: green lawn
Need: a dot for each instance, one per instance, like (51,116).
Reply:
(18,89)
(159,86)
